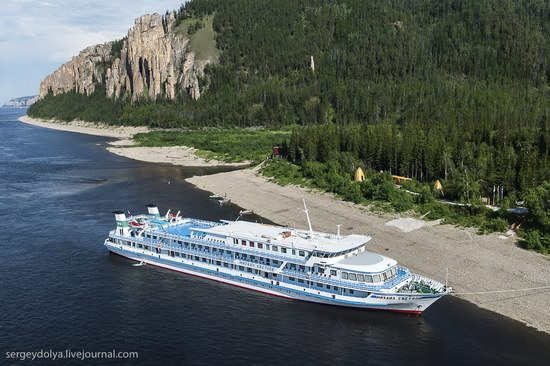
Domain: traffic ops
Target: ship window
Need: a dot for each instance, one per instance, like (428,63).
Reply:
(293,252)
(260,246)
(252,257)
(291,278)
(146,247)
(351,291)
(249,270)
(241,268)
(300,280)
(376,278)
(283,250)
(368,278)
(302,253)
(385,275)
(177,254)
(243,242)
(180,242)
(229,252)
(140,246)
(275,249)
(219,263)
(360,278)
(328,287)
(335,288)
(393,271)
(251,243)
(302,268)
(352,277)
(154,236)
(344,275)
(321,270)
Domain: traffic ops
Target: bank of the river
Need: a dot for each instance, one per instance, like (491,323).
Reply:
(125,146)
(475,262)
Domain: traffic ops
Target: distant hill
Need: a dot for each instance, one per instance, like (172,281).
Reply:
(21,102)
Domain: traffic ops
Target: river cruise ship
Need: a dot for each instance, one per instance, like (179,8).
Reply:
(281,261)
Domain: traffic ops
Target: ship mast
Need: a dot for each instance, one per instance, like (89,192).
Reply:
(308,220)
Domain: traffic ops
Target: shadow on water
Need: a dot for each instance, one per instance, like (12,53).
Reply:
(61,289)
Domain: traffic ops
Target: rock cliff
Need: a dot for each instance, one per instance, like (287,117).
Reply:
(154,60)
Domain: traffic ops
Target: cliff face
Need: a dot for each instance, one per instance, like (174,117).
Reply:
(155,60)
(80,74)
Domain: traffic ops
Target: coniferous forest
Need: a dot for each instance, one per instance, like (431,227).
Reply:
(431,89)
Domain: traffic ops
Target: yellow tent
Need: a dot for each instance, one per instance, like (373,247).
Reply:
(359,175)
(438,185)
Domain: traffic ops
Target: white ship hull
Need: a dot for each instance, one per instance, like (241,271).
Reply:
(413,303)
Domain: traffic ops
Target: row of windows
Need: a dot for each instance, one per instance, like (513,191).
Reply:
(320,285)
(332,255)
(274,248)
(215,251)
(385,276)
(250,243)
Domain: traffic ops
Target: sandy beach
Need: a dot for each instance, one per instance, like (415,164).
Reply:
(124,145)
(476,263)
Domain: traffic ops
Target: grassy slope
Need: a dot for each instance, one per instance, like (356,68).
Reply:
(202,42)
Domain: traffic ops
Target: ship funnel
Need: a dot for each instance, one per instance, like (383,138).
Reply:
(122,227)
(153,210)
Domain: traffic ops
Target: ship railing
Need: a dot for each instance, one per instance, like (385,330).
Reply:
(217,256)
(433,284)
(161,236)
(402,275)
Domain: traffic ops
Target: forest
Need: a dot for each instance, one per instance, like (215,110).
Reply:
(431,89)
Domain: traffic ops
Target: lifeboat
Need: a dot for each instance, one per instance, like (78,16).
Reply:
(136,224)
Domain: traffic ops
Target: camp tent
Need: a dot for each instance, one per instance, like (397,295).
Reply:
(359,175)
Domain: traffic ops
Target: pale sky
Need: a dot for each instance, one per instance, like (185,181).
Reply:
(36,37)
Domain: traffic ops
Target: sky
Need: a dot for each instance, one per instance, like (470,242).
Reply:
(36,37)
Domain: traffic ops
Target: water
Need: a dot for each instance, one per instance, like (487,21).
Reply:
(60,289)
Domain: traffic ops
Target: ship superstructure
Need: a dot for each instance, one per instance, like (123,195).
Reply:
(287,262)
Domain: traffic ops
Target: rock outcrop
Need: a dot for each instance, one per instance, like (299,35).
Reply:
(82,73)
(155,60)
